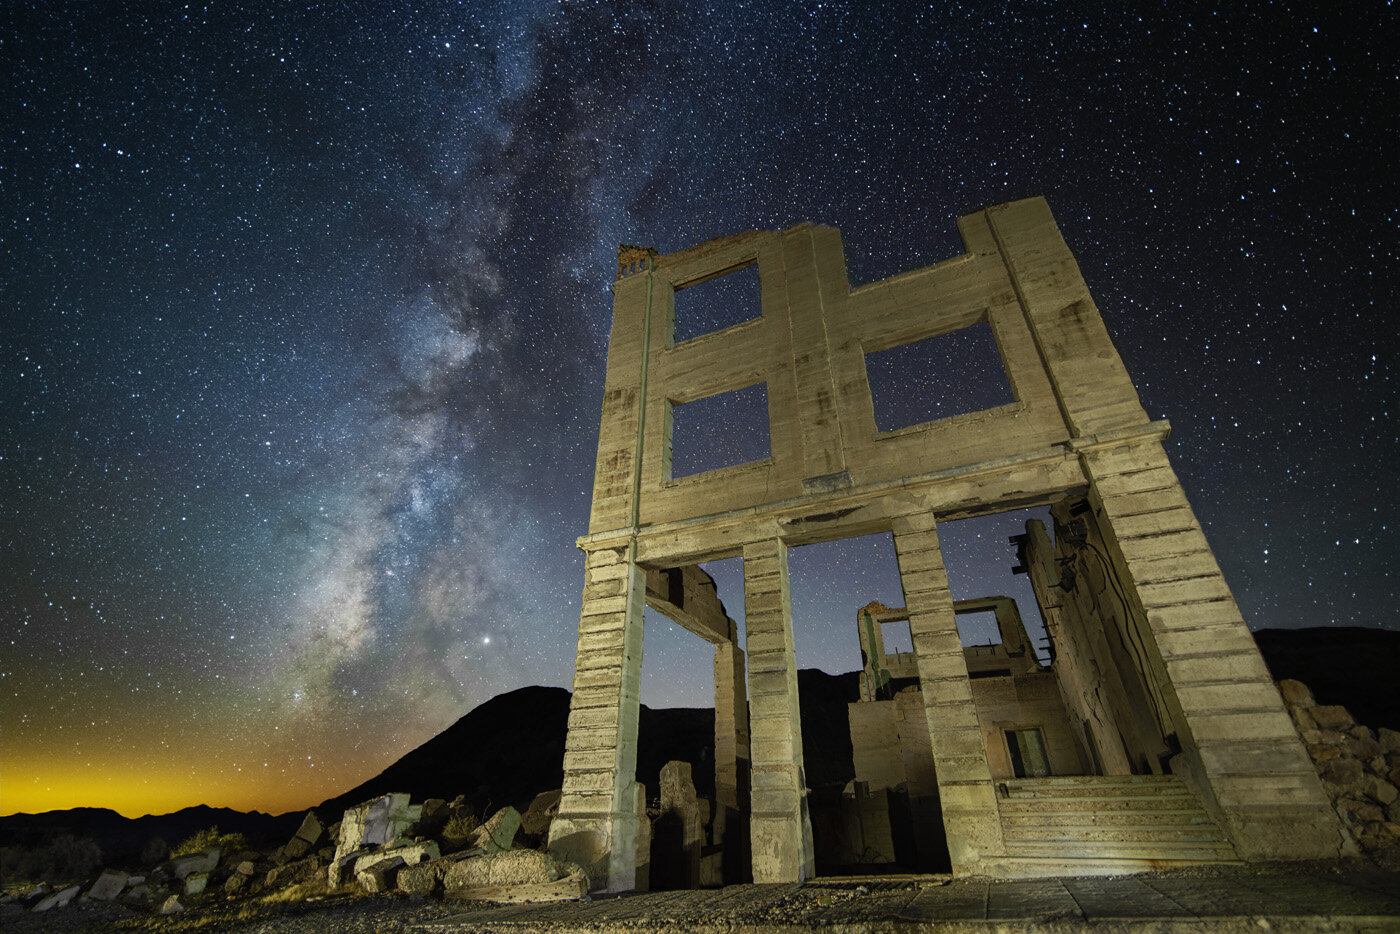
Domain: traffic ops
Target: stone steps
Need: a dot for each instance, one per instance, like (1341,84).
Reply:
(1107,819)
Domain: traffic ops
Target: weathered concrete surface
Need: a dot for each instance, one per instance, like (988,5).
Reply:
(1277,899)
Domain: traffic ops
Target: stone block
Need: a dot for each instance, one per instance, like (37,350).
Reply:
(311,830)
(380,877)
(57,899)
(196,882)
(1296,693)
(206,861)
(498,833)
(108,885)
(424,879)
(513,868)
(1332,717)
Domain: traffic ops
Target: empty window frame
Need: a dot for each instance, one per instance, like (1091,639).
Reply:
(722,430)
(937,377)
(716,303)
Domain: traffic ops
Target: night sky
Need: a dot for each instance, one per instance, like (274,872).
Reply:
(306,311)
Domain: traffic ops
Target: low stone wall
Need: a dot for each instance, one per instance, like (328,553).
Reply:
(1359,767)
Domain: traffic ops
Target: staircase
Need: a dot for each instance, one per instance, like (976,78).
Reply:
(1117,823)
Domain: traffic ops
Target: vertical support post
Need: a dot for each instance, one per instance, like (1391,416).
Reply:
(597,822)
(1240,743)
(731,724)
(780,828)
(970,814)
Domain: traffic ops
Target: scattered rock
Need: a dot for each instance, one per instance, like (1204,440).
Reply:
(182,866)
(540,814)
(1296,692)
(57,899)
(196,882)
(108,885)
(1389,740)
(171,905)
(381,876)
(424,879)
(498,833)
(1332,717)
(294,872)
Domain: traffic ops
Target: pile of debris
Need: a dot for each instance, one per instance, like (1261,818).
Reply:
(1359,767)
(384,845)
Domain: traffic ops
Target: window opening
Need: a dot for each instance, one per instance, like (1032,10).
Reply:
(718,431)
(717,303)
(937,377)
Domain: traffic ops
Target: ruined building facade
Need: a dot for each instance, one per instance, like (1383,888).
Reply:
(1155,676)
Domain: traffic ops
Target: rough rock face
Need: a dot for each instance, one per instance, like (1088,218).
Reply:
(1359,768)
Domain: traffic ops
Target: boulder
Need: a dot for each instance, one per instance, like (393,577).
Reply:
(196,882)
(1296,693)
(108,885)
(58,899)
(182,866)
(1342,772)
(1389,740)
(1332,717)
(498,833)
(235,883)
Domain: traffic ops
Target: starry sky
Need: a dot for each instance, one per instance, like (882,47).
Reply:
(306,310)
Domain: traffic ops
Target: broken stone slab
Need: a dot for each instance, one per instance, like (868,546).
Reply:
(498,833)
(311,829)
(540,814)
(513,876)
(374,823)
(380,876)
(171,905)
(108,885)
(182,866)
(410,854)
(424,879)
(57,899)
(302,870)
(196,882)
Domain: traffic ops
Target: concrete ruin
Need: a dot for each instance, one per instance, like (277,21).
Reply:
(1157,698)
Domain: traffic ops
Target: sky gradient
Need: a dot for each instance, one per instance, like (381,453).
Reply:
(306,310)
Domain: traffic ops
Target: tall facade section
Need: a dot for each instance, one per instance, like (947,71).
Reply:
(1073,437)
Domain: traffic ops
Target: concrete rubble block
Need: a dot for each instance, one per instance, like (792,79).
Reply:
(108,885)
(293,873)
(514,876)
(380,876)
(431,819)
(498,833)
(537,817)
(375,822)
(196,882)
(1332,717)
(424,879)
(294,848)
(342,866)
(311,829)
(1296,693)
(408,854)
(171,905)
(182,866)
(57,899)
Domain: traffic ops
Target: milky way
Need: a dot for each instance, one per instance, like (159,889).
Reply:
(306,315)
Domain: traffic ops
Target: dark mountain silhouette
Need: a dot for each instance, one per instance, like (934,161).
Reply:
(124,836)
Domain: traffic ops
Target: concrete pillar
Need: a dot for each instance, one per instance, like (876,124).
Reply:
(731,726)
(1239,741)
(597,822)
(965,788)
(780,828)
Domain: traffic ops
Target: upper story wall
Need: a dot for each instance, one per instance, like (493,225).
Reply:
(808,348)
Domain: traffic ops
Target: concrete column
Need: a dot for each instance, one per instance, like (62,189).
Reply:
(597,822)
(780,828)
(965,789)
(1239,742)
(731,726)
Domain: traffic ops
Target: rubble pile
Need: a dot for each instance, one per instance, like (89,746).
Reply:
(1359,767)
(383,846)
